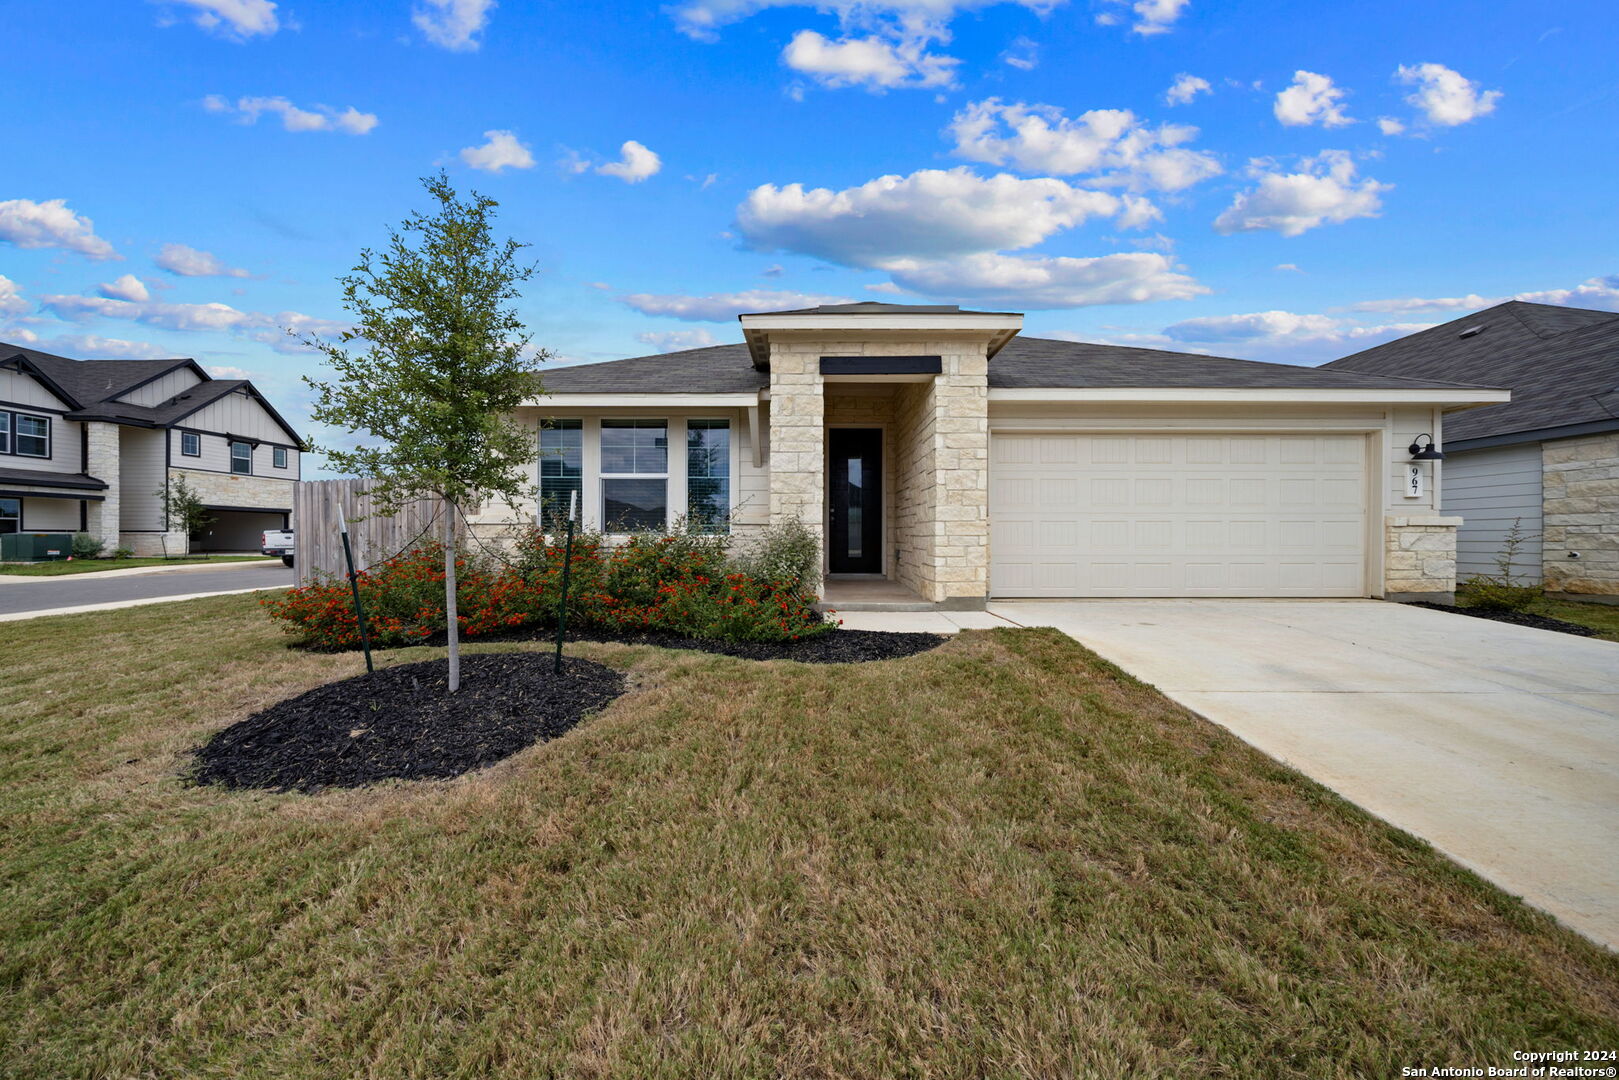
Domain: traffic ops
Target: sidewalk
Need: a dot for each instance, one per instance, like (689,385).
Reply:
(920,622)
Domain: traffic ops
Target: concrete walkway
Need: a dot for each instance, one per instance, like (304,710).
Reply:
(84,592)
(1498,744)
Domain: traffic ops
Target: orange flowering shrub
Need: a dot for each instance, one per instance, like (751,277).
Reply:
(677,584)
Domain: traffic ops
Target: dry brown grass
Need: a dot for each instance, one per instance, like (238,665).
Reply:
(1003,858)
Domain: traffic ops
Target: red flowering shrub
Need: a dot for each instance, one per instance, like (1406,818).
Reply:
(678,584)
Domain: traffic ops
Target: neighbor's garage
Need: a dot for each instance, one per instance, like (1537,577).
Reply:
(237,529)
(1177,515)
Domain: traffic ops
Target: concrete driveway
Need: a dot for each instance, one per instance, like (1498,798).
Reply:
(31,597)
(1498,744)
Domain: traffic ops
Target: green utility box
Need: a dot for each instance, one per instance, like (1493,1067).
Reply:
(35,547)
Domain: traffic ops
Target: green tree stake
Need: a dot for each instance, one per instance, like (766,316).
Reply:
(354,587)
(567,563)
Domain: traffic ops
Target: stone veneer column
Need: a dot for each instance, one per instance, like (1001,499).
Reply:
(1419,558)
(101,462)
(1580,486)
(797,436)
(960,497)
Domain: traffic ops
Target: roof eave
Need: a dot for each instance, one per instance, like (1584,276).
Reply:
(1445,398)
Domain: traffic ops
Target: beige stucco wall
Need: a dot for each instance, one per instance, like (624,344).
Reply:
(1580,486)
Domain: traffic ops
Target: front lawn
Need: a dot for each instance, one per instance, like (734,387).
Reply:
(91,566)
(998,858)
(1603,618)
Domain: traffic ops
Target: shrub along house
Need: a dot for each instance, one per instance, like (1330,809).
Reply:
(89,445)
(946,460)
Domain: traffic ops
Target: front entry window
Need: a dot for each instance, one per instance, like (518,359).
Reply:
(10,515)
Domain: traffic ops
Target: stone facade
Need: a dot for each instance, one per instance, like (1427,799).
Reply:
(938,455)
(1419,558)
(101,461)
(1580,488)
(228,489)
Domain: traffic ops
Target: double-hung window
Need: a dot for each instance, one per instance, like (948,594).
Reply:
(241,458)
(278,457)
(31,435)
(190,444)
(10,513)
(708,475)
(635,475)
(562,466)
(5,433)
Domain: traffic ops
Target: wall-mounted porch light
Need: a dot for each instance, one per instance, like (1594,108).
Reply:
(1425,453)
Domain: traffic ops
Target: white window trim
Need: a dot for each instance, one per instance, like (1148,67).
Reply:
(230,457)
(668,476)
(17,436)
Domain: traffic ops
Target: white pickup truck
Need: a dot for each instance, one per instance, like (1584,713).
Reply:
(277,542)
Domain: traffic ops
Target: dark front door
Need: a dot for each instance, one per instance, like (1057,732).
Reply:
(856,545)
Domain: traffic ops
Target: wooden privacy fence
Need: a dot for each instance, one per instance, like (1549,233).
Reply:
(316,507)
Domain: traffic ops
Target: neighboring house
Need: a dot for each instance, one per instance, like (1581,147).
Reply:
(937,448)
(88,445)
(1547,460)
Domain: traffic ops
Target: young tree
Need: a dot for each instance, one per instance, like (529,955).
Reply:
(183,510)
(436,370)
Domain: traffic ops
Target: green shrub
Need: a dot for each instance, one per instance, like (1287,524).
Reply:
(1498,591)
(677,582)
(123,553)
(86,546)
(788,553)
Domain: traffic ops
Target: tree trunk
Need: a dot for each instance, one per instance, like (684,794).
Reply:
(452,623)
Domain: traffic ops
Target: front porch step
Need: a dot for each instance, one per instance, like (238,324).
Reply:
(876,605)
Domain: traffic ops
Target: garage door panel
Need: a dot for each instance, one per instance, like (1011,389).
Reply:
(1258,515)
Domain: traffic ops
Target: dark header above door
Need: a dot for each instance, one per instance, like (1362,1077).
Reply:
(881,365)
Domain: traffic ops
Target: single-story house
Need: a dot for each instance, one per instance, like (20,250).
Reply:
(940,451)
(90,445)
(1548,460)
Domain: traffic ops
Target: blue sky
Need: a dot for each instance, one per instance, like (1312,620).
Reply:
(1274,180)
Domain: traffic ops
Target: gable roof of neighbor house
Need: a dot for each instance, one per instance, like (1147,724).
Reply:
(1561,364)
(93,387)
(1024,363)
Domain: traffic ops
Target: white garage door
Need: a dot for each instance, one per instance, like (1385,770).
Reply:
(1177,515)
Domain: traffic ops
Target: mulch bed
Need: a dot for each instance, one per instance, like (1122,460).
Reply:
(831,647)
(401,723)
(1516,618)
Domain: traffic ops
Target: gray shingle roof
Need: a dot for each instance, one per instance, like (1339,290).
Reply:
(1561,364)
(176,408)
(90,381)
(1025,363)
(41,478)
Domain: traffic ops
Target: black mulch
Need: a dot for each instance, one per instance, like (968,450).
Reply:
(829,647)
(401,723)
(1516,618)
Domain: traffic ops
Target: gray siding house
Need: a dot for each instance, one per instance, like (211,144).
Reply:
(89,445)
(1547,460)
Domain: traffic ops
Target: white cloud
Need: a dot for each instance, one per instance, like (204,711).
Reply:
(51,224)
(189,262)
(220,371)
(1185,88)
(237,20)
(722,307)
(1444,96)
(702,18)
(1599,292)
(1291,268)
(930,214)
(1312,99)
(1388,125)
(500,151)
(247,110)
(1023,54)
(635,163)
(11,301)
(675,340)
(452,24)
(1323,191)
(268,329)
(128,287)
(96,347)
(1157,16)
(1111,144)
(1048,282)
(872,62)
(1282,336)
